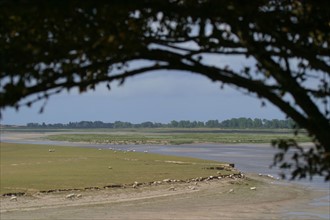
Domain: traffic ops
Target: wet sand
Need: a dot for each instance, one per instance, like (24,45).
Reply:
(215,199)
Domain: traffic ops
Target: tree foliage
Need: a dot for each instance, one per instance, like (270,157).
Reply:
(233,123)
(50,46)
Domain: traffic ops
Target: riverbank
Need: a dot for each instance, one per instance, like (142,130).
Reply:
(211,200)
(253,197)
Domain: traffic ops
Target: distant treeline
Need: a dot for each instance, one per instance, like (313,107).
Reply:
(239,123)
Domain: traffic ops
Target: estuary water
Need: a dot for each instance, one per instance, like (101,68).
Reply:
(247,158)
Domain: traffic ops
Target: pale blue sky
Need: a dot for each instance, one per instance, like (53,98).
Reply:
(159,97)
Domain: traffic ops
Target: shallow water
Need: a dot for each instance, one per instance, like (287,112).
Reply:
(248,159)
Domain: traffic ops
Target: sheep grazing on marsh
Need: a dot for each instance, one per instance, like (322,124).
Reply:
(51,150)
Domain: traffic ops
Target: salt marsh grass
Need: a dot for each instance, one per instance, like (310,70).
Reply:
(30,168)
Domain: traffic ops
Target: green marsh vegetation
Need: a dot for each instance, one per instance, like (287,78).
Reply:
(31,168)
(179,136)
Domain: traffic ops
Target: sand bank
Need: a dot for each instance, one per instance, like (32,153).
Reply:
(251,198)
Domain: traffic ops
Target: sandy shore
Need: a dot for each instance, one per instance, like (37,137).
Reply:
(216,199)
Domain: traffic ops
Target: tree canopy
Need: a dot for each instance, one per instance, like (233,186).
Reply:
(283,48)
(233,123)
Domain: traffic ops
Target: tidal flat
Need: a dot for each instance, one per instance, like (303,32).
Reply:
(250,197)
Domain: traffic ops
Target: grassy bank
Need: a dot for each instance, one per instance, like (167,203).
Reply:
(179,137)
(30,168)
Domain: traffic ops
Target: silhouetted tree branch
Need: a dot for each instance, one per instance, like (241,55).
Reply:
(50,46)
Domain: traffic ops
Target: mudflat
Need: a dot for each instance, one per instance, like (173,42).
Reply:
(252,197)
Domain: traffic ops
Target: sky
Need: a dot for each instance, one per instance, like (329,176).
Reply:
(160,96)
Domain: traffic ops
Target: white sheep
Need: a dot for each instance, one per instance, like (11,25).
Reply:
(13,198)
(192,187)
(135,185)
(70,196)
